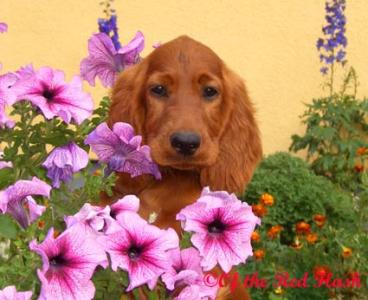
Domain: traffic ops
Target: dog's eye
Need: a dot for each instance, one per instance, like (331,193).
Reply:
(209,92)
(159,90)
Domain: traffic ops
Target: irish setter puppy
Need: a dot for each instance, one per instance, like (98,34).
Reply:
(196,116)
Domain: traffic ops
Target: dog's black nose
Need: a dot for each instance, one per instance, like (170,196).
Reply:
(185,143)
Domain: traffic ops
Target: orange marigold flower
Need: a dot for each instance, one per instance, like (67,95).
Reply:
(320,271)
(346,252)
(358,167)
(259,254)
(311,237)
(274,231)
(302,227)
(362,151)
(319,220)
(267,199)
(41,224)
(297,245)
(259,210)
(255,237)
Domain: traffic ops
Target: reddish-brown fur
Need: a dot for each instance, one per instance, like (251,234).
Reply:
(230,145)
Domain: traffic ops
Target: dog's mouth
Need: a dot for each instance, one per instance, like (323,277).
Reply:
(184,163)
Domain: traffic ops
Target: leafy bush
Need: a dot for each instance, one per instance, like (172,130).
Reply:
(298,196)
(336,138)
(298,192)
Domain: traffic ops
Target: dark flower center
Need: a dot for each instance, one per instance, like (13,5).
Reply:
(113,213)
(216,226)
(57,261)
(134,252)
(48,94)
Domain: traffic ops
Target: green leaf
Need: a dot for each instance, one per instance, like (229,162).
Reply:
(8,228)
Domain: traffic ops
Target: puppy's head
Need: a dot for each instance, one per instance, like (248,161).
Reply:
(192,111)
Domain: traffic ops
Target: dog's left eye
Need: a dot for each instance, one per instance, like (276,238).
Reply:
(159,90)
(209,92)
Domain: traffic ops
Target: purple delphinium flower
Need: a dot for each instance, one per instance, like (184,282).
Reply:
(68,263)
(122,150)
(185,268)
(110,28)
(222,227)
(16,200)
(140,249)
(63,161)
(332,45)
(7,97)
(3,27)
(105,62)
(47,89)
(10,293)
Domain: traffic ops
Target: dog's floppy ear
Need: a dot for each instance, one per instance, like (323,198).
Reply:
(240,145)
(127,98)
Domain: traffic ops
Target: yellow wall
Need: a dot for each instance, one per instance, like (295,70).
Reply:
(271,43)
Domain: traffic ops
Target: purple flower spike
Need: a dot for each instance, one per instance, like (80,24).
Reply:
(47,89)
(16,200)
(105,62)
(222,227)
(3,27)
(140,249)
(63,161)
(69,262)
(109,27)
(332,45)
(122,150)
(10,293)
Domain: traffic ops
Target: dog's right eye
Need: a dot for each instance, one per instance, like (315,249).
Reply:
(159,90)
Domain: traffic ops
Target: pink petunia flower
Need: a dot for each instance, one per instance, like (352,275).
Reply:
(105,62)
(47,89)
(140,249)
(127,203)
(222,227)
(16,200)
(3,27)
(10,293)
(69,262)
(185,268)
(156,45)
(4,164)
(63,161)
(7,97)
(103,219)
(122,150)
(198,292)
